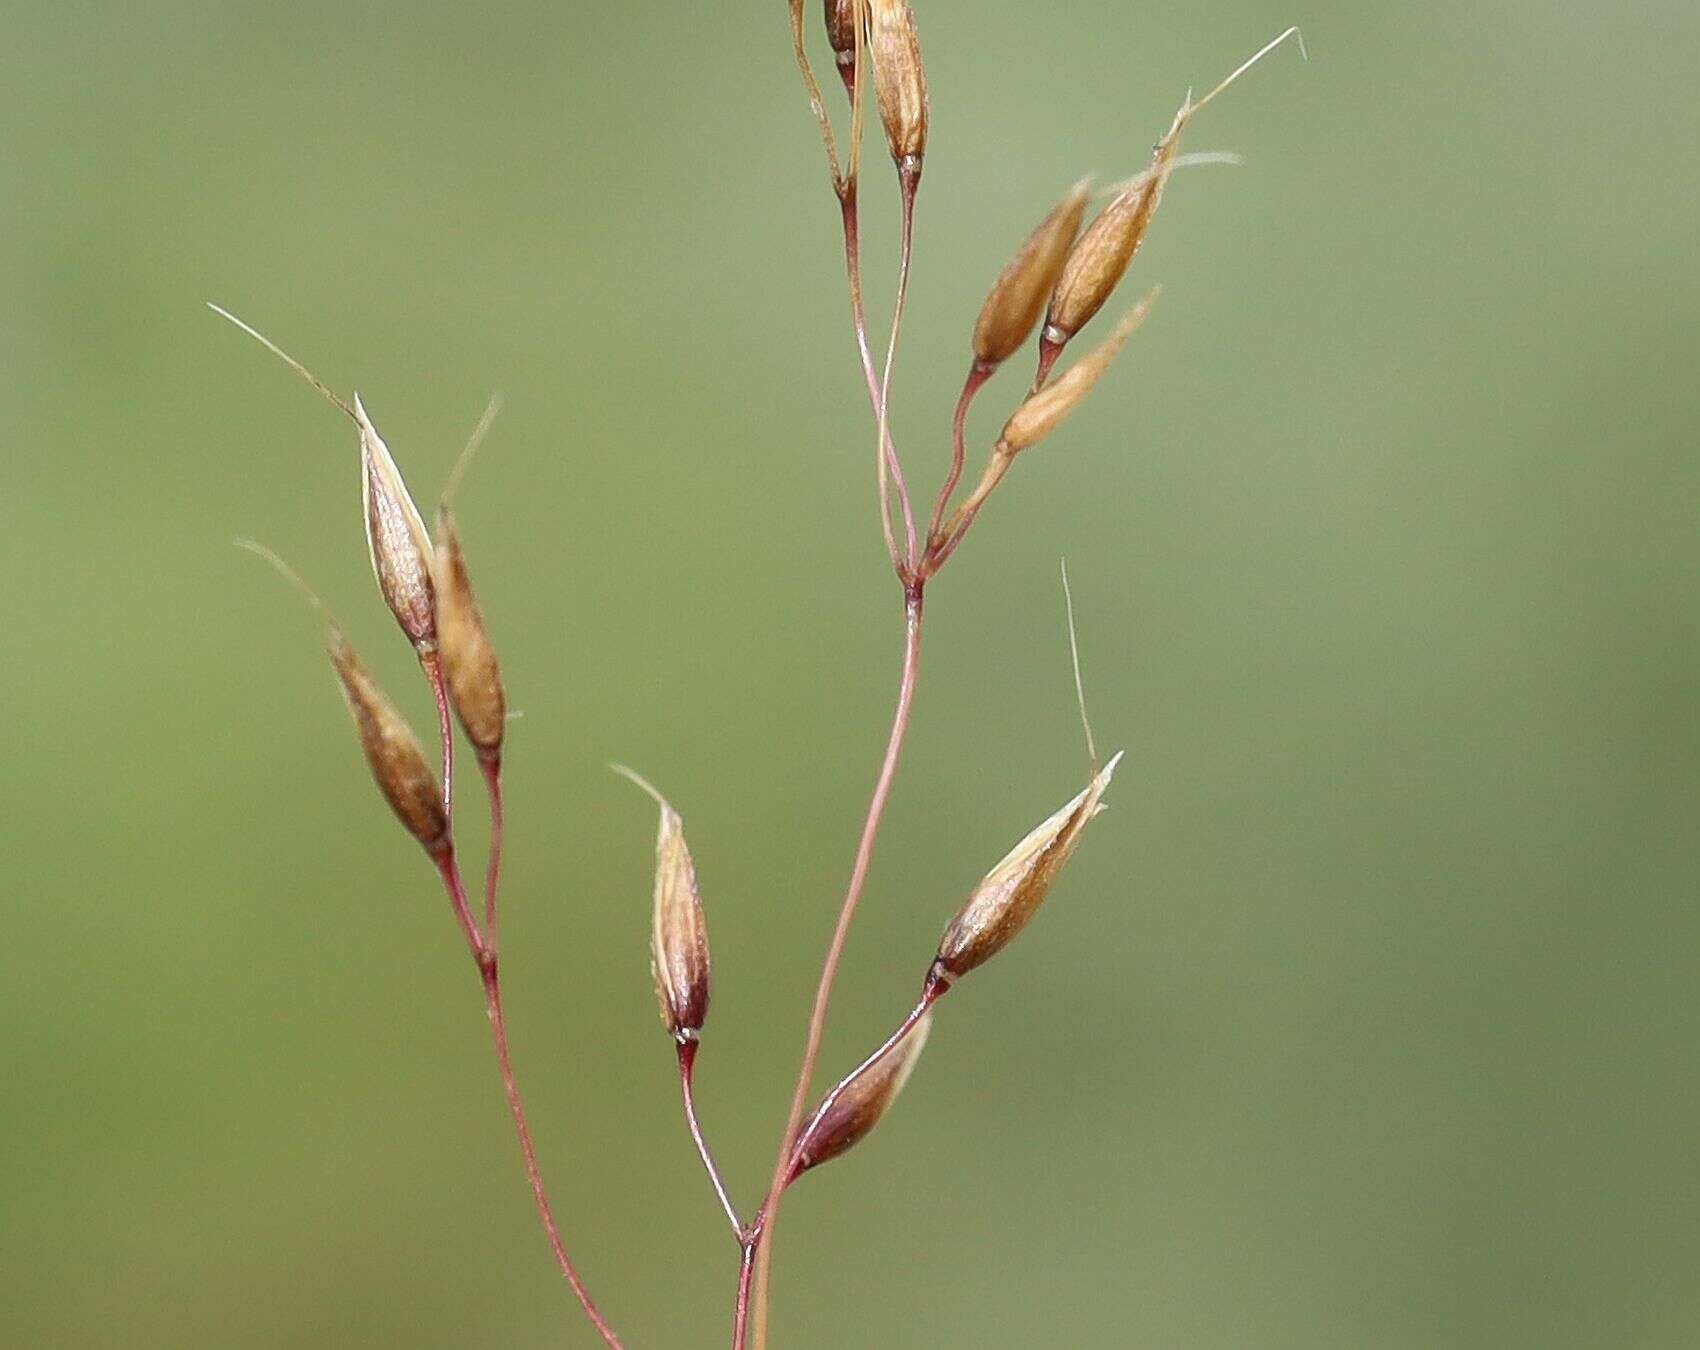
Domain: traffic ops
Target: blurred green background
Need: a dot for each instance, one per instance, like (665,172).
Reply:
(1367,1017)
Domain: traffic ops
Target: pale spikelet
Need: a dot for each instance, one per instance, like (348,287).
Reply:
(900,81)
(1011,893)
(1102,256)
(1018,296)
(392,750)
(845,1118)
(1041,413)
(679,940)
(469,661)
(395,537)
(841,37)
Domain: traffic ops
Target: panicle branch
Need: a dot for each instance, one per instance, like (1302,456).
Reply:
(427,589)
(1059,278)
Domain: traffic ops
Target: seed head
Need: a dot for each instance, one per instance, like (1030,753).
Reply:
(679,943)
(396,538)
(1018,295)
(392,751)
(475,677)
(1101,259)
(841,36)
(1011,893)
(1041,413)
(845,1118)
(900,81)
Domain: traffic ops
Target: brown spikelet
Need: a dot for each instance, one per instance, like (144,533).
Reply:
(395,537)
(846,1116)
(1018,296)
(1011,893)
(841,36)
(1041,413)
(679,940)
(1102,256)
(392,751)
(469,661)
(900,81)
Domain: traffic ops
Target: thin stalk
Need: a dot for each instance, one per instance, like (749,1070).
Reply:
(687,1071)
(817,104)
(493,866)
(432,664)
(510,1088)
(909,180)
(741,1315)
(963,517)
(858,96)
(978,374)
(890,468)
(483,954)
(449,869)
(835,952)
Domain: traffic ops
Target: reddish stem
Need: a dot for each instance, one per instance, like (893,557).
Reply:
(978,374)
(484,955)
(687,1072)
(1049,349)
(847,912)
(909,178)
(493,866)
(510,1088)
(741,1315)
(858,315)
(449,869)
(939,555)
(963,518)
(432,665)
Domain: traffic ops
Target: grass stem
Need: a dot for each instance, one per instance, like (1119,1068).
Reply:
(913,607)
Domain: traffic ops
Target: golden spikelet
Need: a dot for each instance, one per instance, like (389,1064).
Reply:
(1101,258)
(469,661)
(392,750)
(1011,893)
(1040,414)
(1018,296)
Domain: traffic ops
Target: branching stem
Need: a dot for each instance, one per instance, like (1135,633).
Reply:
(913,604)
(746,1269)
(978,374)
(910,180)
(484,957)
(889,467)
(963,517)
(687,1089)
(510,1088)
(482,947)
